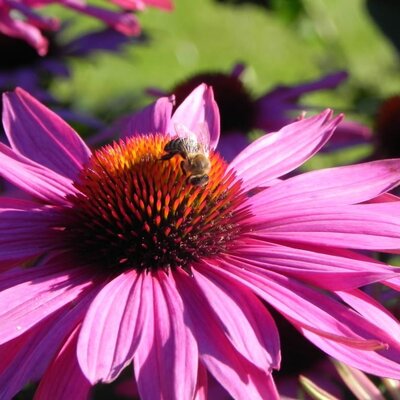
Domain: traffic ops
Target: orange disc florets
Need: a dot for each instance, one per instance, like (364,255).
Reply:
(134,210)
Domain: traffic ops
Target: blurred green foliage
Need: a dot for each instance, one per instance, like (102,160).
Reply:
(203,35)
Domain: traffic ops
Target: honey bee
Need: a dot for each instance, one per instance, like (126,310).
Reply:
(194,150)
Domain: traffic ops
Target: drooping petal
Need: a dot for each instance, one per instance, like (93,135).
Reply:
(235,373)
(334,271)
(112,328)
(198,108)
(276,154)
(186,351)
(39,134)
(34,350)
(377,363)
(34,179)
(249,325)
(32,297)
(372,311)
(331,186)
(63,379)
(167,359)
(352,226)
(343,334)
(310,312)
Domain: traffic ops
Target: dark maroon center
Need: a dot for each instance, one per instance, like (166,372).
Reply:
(137,211)
(234,102)
(387,129)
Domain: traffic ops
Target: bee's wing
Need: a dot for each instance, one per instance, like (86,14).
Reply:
(184,132)
(203,137)
(199,141)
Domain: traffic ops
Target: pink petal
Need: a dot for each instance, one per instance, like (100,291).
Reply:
(329,187)
(247,322)
(199,108)
(387,204)
(22,30)
(28,300)
(24,232)
(278,153)
(37,347)
(307,308)
(373,311)
(329,271)
(33,18)
(166,5)
(167,359)
(235,373)
(18,204)
(384,198)
(112,328)
(163,4)
(393,283)
(39,134)
(367,361)
(64,379)
(16,359)
(341,333)
(154,118)
(34,179)
(353,226)
(125,23)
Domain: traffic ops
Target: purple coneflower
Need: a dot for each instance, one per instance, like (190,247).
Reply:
(242,112)
(20,19)
(23,67)
(121,260)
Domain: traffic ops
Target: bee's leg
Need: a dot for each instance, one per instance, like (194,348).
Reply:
(183,167)
(169,155)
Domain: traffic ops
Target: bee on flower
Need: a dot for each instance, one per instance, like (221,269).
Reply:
(117,261)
